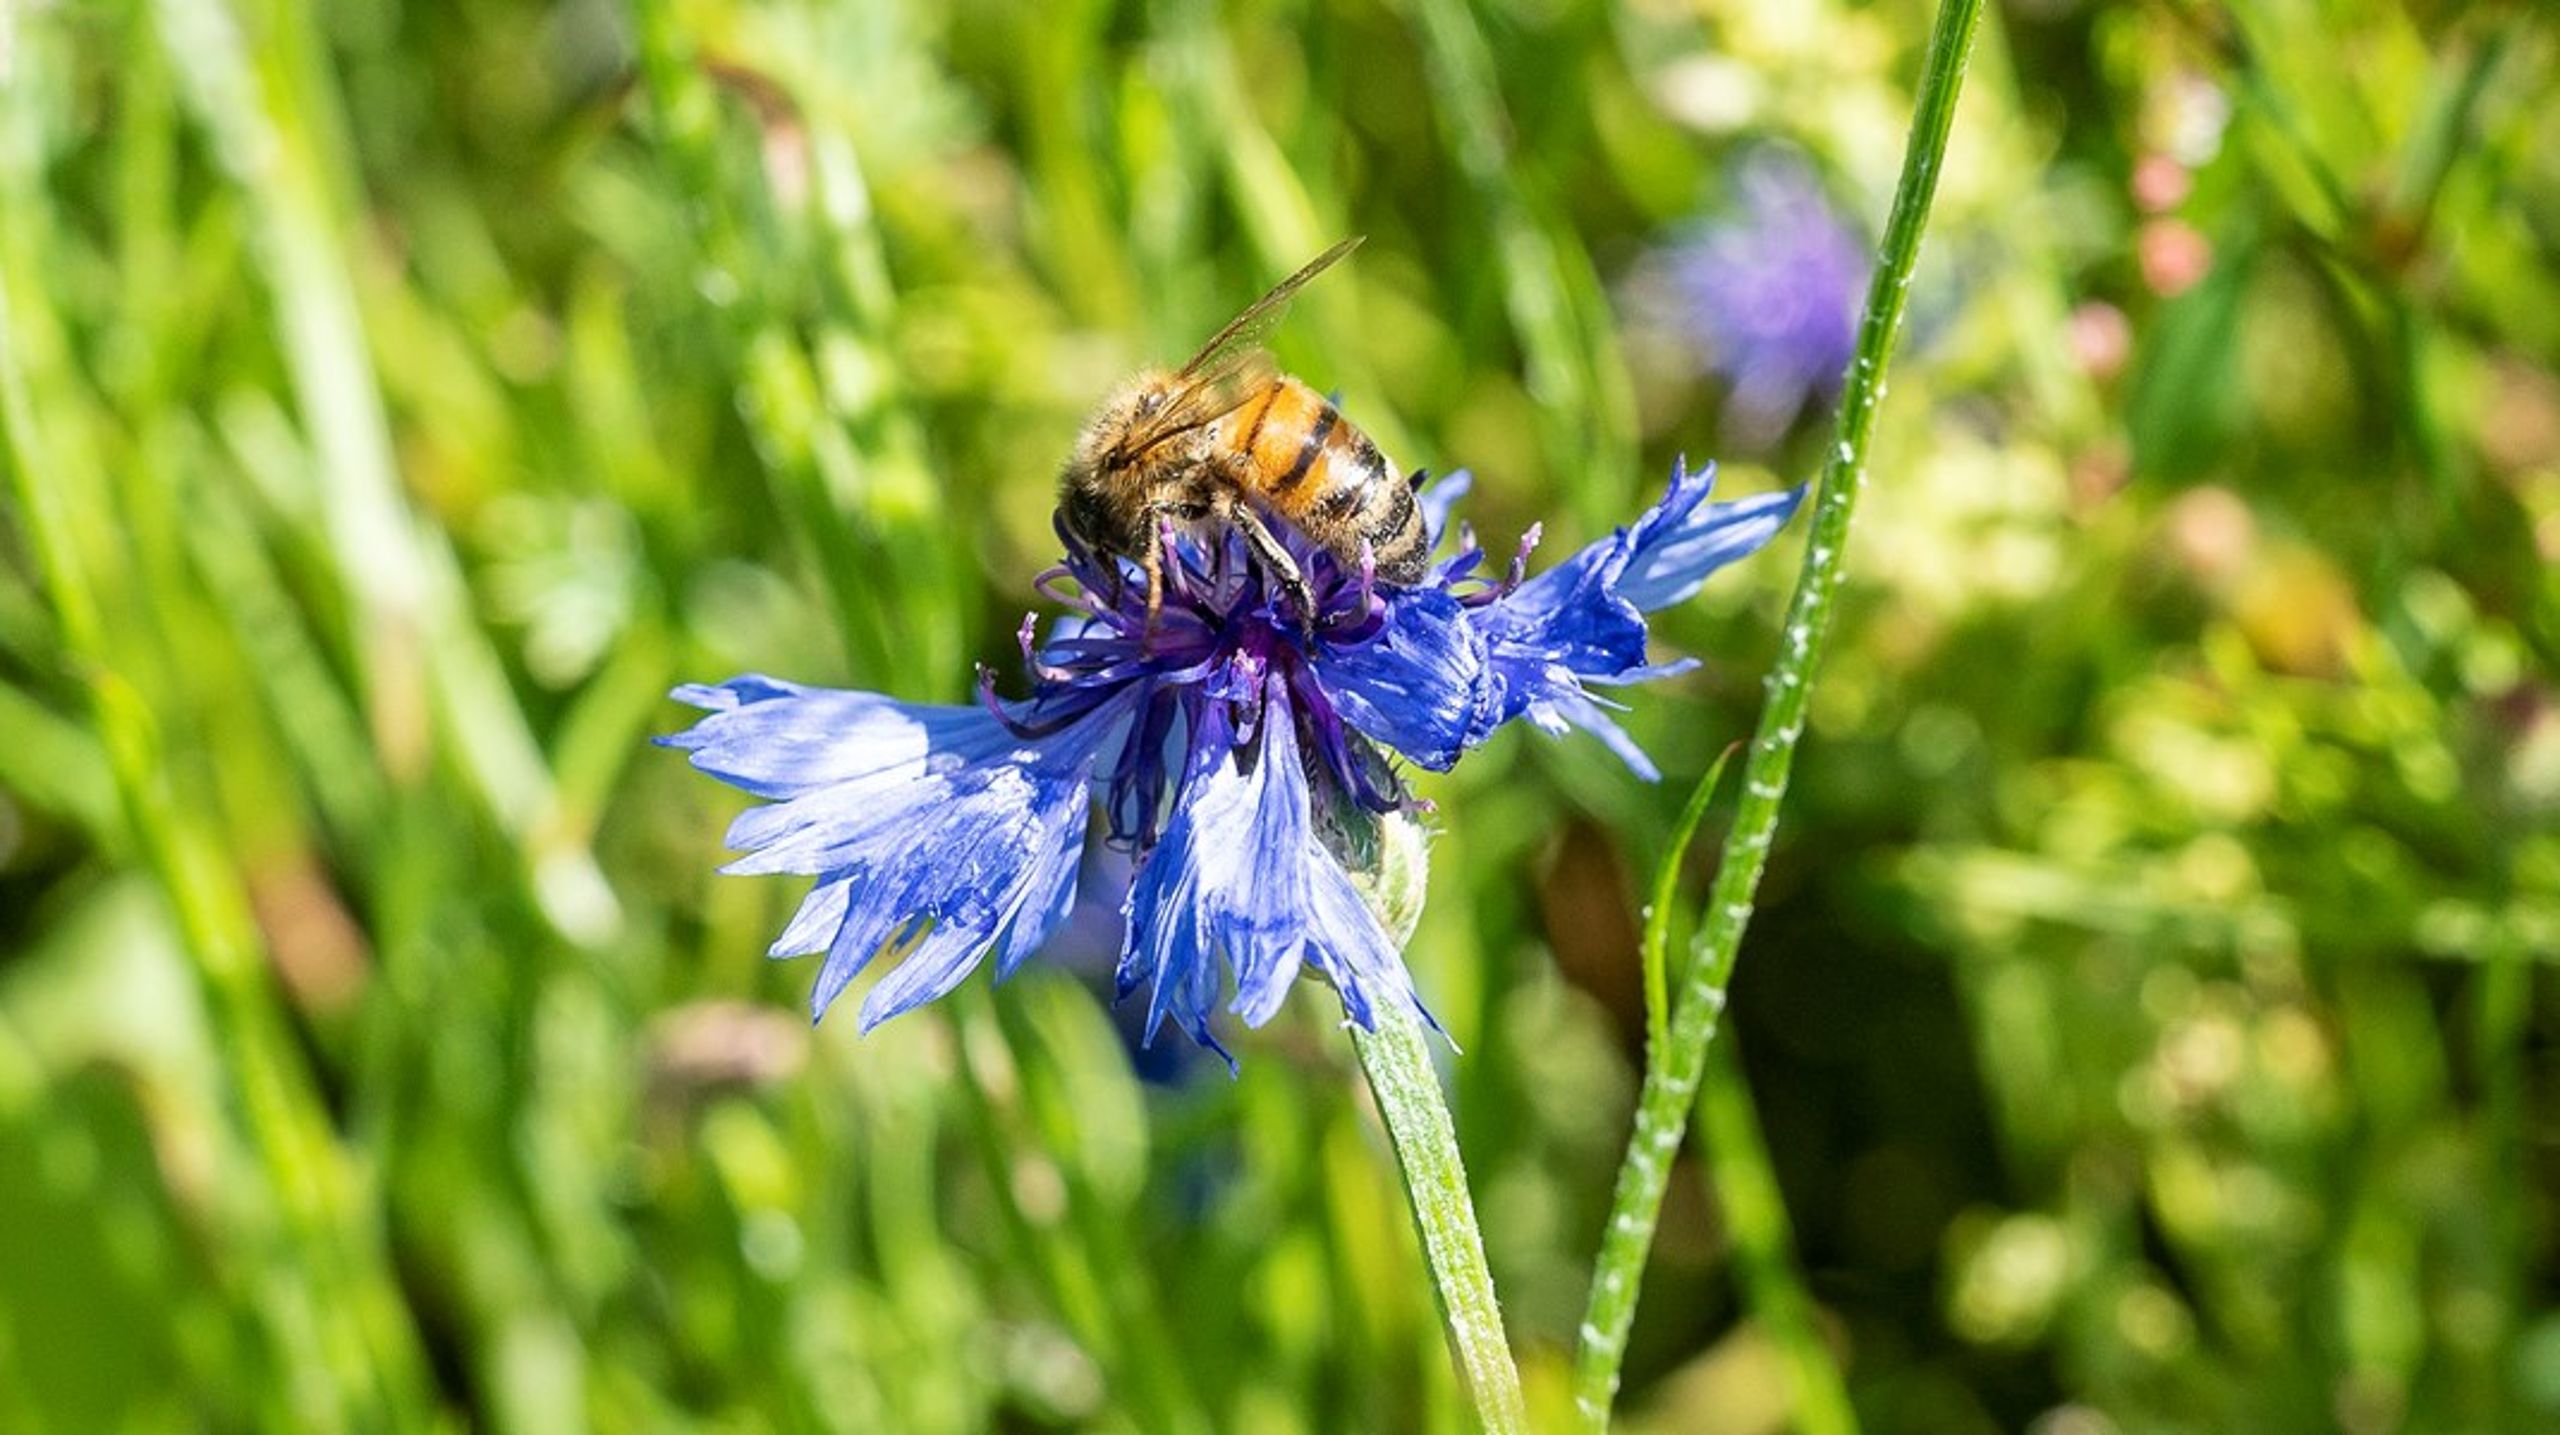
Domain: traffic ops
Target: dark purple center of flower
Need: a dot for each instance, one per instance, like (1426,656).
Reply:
(1226,628)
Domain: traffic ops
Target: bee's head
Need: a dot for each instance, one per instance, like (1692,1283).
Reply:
(1103,490)
(1146,398)
(1091,508)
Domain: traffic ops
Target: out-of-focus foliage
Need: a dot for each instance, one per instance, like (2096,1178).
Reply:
(2151,1013)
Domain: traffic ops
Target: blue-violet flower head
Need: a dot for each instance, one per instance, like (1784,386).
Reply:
(1236,751)
(1770,292)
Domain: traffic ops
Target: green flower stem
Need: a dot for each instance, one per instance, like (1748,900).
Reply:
(1672,1073)
(1408,1090)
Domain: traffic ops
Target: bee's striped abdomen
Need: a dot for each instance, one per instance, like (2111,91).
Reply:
(1401,545)
(1316,469)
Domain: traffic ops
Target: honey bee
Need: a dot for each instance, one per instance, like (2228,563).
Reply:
(1227,438)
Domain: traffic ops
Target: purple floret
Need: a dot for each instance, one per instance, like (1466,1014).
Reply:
(1771,293)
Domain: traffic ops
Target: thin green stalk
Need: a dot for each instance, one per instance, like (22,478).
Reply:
(2444,133)
(2504,1002)
(1656,950)
(1672,1073)
(1408,1091)
(1738,1166)
(1755,1215)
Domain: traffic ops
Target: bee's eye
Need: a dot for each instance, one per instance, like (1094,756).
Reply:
(1086,518)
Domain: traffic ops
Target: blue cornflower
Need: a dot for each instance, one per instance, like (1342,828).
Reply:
(1771,294)
(1244,756)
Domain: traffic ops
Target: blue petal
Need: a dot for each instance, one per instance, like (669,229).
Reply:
(1356,956)
(1439,498)
(1418,685)
(779,739)
(1240,876)
(1569,618)
(1547,637)
(1669,550)
(935,829)
(1582,622)
(1580,711)
(1049,897)
(1683,542)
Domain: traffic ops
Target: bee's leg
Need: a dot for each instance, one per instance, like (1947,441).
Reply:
(1153,563)
(1266,546)
(1161,521)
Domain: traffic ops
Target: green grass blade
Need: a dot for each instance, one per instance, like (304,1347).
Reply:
(1755,1214)
(1658,908)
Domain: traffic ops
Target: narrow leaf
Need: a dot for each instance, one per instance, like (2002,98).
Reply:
(1657,912)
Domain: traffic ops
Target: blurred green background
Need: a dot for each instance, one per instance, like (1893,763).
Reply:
(2150,1016)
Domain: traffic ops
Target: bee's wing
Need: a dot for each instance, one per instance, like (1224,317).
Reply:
(1245,330)
(1233,366)
(1204,398)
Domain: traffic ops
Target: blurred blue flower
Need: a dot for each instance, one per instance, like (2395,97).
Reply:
(1231,752)
(1771,294)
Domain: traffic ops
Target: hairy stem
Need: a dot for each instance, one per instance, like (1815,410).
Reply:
(1398,1063)
(1672,1072)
